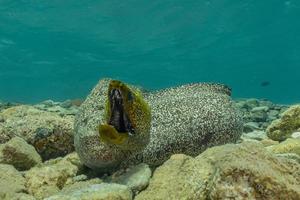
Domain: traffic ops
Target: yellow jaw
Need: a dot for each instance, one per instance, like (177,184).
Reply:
(135,134)
(110,135)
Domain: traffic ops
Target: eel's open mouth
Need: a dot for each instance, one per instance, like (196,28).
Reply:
(119,119)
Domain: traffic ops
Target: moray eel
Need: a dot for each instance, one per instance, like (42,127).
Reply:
(115,128)
(127,116)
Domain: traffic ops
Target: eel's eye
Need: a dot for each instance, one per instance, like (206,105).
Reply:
(130,96)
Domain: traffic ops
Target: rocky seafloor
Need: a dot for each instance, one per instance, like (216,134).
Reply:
(37,159)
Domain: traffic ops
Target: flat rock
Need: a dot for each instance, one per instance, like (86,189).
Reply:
(19,153)
(255,135)
(11,181)
(103,191)
(260,109)
(243,171)
(50,133)
(251,126)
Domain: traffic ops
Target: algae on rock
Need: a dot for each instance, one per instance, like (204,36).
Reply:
(50,177)
(49,133)
(284,127)
(11,181)
(18,153)
(290,145)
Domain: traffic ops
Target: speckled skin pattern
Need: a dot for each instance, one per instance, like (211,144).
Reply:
(186,119)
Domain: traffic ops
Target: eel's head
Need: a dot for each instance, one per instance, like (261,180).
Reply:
(128,118)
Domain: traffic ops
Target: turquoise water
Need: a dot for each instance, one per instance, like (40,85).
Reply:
(60,49)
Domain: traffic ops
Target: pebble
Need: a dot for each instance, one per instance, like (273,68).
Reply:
(260,109)
(136,177)
(251,126)
(296,135)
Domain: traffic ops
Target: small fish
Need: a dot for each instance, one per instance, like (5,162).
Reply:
(265,83)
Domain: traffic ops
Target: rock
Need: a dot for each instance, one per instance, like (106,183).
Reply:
(292,156)
(49,133)
(103,191)
(81,177)
(273,114)
(178,178)
(80,184)
(5,105)
(290,145)
(18,196)
(75,160)
(260,109)
(136,177)
(259,114)
(66,104)
(296,135)
(255,135)
(58,109)
(251,126)
(289,123)
(265,103)
(268,142)
(252,103)
(282,110)
(243,171)
(185,119)
(264,125)
(47,179)
(76,102)
(11,181)
(49,103)
(18,153)
(241,105)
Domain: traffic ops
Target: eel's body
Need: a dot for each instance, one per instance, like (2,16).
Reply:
(186,119)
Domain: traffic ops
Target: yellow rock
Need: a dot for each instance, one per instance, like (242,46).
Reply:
(289,123)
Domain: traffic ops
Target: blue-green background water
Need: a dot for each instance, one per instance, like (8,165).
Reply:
(60,49)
